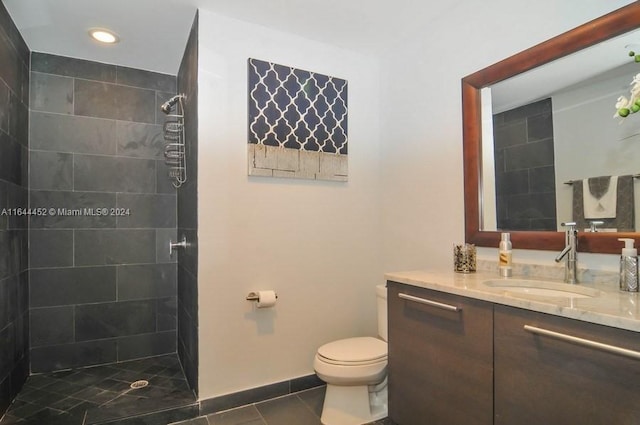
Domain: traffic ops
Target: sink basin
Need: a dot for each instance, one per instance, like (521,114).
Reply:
(541,288)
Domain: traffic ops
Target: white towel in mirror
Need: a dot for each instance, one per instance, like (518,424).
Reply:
(603,206)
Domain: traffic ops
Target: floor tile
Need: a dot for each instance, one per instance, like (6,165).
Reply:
(103,393)
(53,417)
(314,399)
(95,395)
(37,381)
(10,420)
(26,411)
(83,378)
(286,411)
(63,386)
(102,372)
(67,404)
(241,415)
(113,385)
(202,420)
(301,408)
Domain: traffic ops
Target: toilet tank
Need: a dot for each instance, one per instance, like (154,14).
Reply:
(381,293)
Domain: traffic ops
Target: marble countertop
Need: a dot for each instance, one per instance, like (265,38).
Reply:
(611,307)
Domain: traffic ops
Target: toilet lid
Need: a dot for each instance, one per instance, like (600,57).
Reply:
(359,349)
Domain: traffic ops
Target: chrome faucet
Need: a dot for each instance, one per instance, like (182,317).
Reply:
(593,225)
(571,252)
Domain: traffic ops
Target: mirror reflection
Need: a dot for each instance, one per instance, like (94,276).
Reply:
(552,150)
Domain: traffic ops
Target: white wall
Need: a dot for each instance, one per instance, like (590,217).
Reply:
(323,246)
(421,97)
(489,217)
(318,244)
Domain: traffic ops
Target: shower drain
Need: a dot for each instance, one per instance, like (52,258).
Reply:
(139,384)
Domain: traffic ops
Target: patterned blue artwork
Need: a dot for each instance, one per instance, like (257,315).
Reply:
(296,109)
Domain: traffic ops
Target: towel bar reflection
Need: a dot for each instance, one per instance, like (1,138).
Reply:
(570,182)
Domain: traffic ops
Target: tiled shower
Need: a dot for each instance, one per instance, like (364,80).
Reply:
(103,287)
(85,276)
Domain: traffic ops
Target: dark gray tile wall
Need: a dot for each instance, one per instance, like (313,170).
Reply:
(524,167)
(103,288)
(188,217)
(14,157)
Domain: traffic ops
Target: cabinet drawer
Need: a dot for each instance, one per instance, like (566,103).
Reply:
(573,375)
(440,358)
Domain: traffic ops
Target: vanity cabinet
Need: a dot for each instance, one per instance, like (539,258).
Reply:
(440,358)
(457,360)
(556,379)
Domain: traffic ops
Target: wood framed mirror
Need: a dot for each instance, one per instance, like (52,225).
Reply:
(604,28)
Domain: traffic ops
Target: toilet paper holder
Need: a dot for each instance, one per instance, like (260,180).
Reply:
(253,296)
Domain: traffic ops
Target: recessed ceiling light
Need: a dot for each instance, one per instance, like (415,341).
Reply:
(103,36)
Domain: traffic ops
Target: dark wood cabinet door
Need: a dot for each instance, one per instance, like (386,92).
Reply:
(440,359)
(551,380)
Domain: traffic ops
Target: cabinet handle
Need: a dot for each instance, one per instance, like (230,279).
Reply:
(447,307)
(584,342)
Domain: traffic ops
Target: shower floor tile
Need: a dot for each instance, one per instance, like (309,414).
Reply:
(103,395)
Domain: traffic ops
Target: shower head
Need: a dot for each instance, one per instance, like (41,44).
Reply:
(168,105)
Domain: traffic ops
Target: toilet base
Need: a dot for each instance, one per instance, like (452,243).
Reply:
(353,405)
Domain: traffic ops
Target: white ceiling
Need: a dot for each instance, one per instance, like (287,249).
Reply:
(153,33)
(599,60)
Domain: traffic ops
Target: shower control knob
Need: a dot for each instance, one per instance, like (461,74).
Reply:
(173,245)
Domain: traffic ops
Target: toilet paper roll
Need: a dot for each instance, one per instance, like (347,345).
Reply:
(266,299)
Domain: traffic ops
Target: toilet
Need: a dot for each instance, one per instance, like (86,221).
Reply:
(355,370)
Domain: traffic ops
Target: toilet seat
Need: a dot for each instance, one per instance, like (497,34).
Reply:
(352,364)
(352,361)
(351,374)
(354,351)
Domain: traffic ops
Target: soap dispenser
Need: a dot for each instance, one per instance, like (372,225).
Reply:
(628,266)
(504,255)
